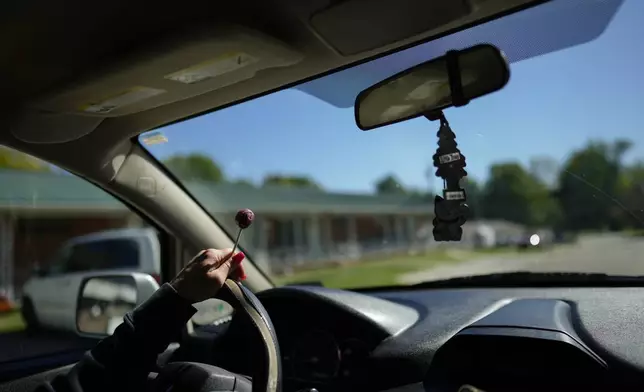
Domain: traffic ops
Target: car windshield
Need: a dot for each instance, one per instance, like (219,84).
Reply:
(554,160)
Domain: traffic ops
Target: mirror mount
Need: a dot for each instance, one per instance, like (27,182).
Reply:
(436,115)
(455,81)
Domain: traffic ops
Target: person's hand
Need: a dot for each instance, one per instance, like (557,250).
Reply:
(206,273)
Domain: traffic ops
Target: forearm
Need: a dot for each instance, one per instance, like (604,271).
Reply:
(122,361)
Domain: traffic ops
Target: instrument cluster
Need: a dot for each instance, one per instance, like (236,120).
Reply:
(320,357)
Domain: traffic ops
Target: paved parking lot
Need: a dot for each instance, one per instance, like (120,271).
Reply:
(614,254)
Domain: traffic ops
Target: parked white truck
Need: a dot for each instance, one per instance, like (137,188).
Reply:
(50,295)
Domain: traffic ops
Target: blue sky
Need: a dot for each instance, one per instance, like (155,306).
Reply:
(553,104)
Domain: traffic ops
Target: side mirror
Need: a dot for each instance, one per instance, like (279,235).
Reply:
(103,300)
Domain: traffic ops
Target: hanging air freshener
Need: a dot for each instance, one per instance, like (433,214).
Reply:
(451,210)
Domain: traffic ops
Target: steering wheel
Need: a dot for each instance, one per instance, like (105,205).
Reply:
(199,377)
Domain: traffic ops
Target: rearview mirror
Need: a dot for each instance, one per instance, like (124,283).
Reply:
(103,300)
(450,80)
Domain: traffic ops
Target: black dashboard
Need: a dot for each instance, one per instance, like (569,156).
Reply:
(327,336)
(495,339)
(422,340)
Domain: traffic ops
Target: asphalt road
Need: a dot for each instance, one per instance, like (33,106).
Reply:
(614,254)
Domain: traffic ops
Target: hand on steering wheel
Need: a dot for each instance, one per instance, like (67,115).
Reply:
(202,278)
(206,273)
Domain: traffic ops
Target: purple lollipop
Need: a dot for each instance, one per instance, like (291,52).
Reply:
(244,219)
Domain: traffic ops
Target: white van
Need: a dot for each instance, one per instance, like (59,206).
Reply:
(49,297)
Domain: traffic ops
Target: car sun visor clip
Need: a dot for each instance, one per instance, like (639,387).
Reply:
(454,76)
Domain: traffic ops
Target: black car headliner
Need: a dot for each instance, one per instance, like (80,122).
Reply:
(48,45)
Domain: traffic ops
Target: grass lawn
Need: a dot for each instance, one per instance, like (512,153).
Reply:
(11,322)
(635,232)
(380,272)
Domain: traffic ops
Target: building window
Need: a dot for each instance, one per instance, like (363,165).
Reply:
(284,233)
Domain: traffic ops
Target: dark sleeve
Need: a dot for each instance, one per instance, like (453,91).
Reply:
(121,362)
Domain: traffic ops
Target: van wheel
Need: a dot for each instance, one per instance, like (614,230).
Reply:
(29,315)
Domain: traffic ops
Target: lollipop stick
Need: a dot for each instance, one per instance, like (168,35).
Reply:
(234,247)
(243,218)
(236,242)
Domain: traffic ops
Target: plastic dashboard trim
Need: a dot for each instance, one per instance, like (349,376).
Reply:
(388,317)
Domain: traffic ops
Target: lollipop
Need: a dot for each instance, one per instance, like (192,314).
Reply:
(244,219)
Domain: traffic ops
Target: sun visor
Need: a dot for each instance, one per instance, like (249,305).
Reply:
(199,63)
(356,26)
(40,127)
(546,28)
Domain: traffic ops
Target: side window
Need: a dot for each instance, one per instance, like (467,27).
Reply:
(103,254)
(58,264)
(44,212)
(82,259)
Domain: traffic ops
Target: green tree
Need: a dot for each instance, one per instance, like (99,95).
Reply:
(474,194)
(630,195)
(545,169)
(421,194)
(589,184)
(290,181)
(194,166)
(389,184)
(12,159)
(514,194)
(244,182)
